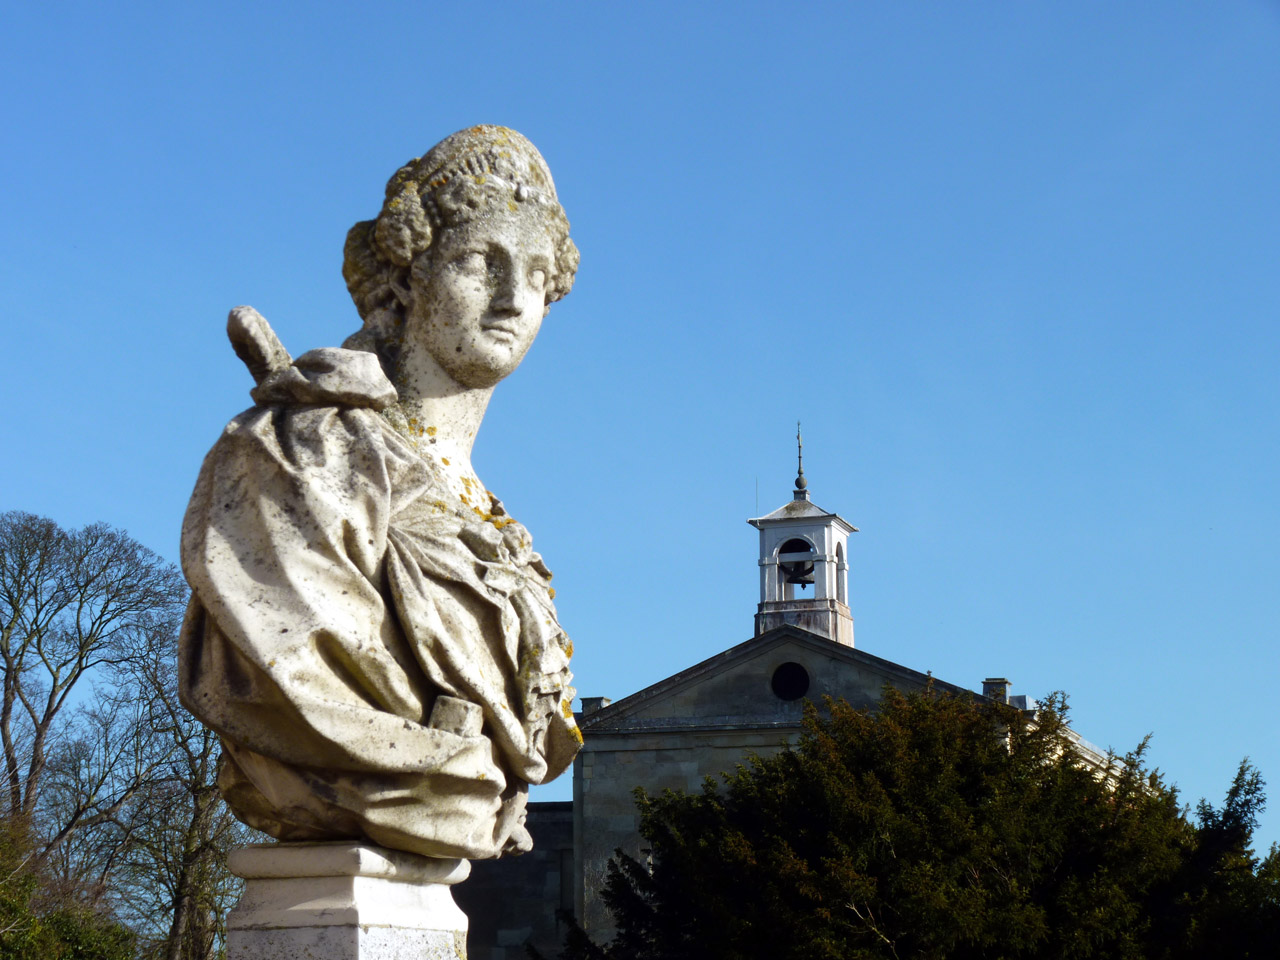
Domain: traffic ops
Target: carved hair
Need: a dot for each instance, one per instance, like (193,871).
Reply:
(456,181)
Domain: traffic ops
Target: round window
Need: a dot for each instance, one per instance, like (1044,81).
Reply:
(790,681)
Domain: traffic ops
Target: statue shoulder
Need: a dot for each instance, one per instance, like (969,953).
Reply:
(329,375)
(315,436)
(284,478)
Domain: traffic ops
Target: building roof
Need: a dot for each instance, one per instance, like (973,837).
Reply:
(800,510)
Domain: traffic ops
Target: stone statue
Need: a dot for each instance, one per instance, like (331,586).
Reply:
(370,634)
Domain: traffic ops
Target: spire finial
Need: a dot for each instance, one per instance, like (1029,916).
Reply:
(801,493)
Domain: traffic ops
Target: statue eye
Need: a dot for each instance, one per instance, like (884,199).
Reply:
(471,262)
(538,279)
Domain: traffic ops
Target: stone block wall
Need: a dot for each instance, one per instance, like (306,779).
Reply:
(604,790)
(513,901)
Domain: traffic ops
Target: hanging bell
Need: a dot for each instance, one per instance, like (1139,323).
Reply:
(796,561)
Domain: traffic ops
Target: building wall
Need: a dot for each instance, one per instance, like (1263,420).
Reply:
(513,901)
(606,775)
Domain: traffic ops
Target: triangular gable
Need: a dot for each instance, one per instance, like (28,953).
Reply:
(736,690)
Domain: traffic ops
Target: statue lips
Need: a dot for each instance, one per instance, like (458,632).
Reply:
(506,330)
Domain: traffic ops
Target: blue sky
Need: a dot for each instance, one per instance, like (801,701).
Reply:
(1013,265)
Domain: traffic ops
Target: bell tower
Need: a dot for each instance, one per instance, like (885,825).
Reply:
(803,548)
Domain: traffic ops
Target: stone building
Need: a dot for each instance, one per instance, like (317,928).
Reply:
(697,723)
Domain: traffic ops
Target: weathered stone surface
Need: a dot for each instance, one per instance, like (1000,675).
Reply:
(342,901)
(370,633)
(344,943)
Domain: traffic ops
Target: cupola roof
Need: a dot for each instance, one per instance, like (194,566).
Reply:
(800,510)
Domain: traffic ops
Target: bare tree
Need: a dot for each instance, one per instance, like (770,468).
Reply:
(74,605)
(175,888)
(108,777)
(104,768)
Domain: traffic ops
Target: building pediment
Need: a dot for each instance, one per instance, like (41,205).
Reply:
(761,683)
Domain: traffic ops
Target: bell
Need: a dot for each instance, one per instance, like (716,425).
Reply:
(796,561)
(800,572)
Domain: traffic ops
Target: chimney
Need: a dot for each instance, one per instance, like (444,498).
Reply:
(591,704)
(997,688)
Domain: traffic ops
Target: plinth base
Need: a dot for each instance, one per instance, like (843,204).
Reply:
(344,901)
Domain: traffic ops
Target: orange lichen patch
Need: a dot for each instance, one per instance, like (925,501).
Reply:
(445,461)
(551,592)
(574,732)
(568,647)
(431,431)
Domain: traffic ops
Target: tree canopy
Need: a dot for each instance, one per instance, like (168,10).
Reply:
(941,827)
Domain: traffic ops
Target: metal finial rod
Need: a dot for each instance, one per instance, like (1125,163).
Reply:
(801,483)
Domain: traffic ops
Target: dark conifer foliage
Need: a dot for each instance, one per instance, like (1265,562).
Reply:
(941,827)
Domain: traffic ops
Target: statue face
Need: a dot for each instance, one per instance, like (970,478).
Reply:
(477,297)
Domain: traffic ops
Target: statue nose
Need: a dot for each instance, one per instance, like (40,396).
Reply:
(509,293)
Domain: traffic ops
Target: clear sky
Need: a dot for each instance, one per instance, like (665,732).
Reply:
(1015,266)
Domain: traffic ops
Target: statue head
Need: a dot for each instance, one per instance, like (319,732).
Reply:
(484,177)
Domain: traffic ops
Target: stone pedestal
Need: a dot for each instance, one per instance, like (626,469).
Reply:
(345,901)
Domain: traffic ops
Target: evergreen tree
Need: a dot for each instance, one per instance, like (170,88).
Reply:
(32,926)
(940,827)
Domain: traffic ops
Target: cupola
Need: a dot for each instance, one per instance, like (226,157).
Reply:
(804,567)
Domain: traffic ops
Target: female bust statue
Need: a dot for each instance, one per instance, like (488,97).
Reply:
(370,634)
